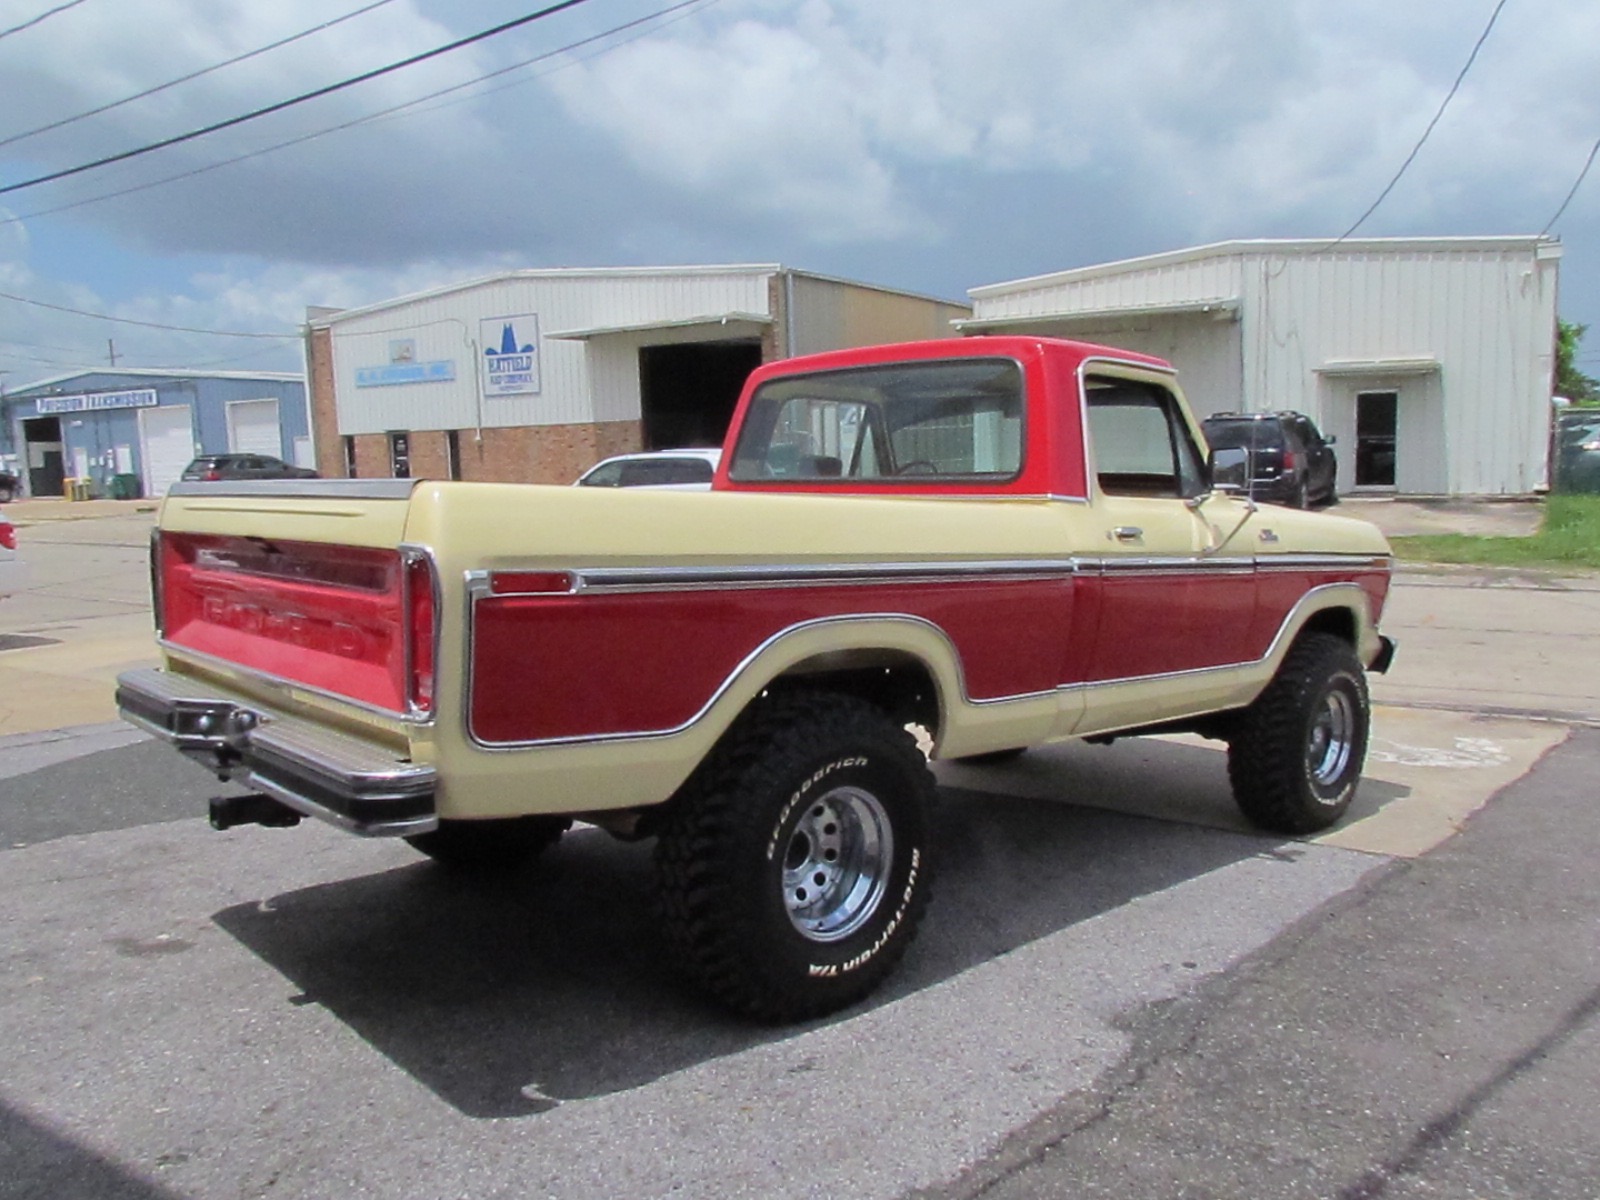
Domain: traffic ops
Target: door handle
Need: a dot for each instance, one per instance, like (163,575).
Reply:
(1127,533)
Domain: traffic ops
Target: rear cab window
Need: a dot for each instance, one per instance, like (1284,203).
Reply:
(1248,433)
(956,420)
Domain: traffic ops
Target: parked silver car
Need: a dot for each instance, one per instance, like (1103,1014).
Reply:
(687,470)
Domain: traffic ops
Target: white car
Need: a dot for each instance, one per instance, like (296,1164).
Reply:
(13,571)
(687,470)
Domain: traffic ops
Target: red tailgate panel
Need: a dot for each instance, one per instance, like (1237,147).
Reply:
(329,617)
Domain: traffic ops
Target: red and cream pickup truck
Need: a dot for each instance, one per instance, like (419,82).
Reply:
(975,545)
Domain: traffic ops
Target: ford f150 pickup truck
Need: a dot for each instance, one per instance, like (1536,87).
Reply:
(985,544)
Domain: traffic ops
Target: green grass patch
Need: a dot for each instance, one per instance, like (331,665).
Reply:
(1569,537)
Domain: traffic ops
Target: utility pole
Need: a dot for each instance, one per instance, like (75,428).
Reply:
(111,351)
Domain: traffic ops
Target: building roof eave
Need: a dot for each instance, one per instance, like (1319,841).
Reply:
(1422,364)
(713,320)
(1220,308)
(1542,246)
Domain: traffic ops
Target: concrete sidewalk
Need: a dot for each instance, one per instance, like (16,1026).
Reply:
(24,513)
(1475,516)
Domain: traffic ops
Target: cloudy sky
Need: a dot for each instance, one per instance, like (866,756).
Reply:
(933,145)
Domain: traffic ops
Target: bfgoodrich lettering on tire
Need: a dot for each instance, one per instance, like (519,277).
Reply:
(1296,755)
(794,866)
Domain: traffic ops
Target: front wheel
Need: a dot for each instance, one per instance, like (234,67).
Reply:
(1296,755)
(794,866)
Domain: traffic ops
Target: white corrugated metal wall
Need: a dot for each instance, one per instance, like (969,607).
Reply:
(445,327)
(1478,425)
(1482,309)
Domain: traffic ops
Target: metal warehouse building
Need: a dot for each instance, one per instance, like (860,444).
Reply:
(1429,359)
(535,375)
(98,425)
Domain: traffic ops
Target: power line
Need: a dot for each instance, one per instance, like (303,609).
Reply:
(44,16)
(301,99)
(1576,184)
(381,113)
(171,83)
(46,362)
(79,312)
(1454,87)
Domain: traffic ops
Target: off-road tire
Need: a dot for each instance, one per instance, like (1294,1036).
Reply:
(1295,755)
(794,866)
(496,845)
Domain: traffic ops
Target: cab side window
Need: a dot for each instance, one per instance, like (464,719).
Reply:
(1140,443)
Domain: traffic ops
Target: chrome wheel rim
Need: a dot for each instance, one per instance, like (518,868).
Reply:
(836,866)
(1332,742)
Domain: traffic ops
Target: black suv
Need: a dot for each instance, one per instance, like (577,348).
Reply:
(243,466)
(1290,461)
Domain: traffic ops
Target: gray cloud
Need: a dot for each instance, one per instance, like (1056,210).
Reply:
(919,143)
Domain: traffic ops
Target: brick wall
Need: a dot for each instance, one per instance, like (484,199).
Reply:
(521,454)
(372,456)
(324,415)
(543,453)
(430,458)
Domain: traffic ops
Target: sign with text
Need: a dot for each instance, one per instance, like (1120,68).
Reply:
(510,355)
(439,371)
(96,402)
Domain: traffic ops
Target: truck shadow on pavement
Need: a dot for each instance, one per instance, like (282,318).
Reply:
(506,997)
(31,1153)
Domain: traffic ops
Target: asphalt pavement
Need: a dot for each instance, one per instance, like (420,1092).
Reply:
(1432,1033)
(1121,989)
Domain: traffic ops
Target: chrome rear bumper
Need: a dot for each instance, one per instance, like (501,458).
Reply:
(347,781)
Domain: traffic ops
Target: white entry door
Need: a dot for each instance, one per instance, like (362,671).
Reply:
(166,443)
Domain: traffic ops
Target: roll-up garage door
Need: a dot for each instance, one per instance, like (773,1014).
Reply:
(166,439)
(253,427)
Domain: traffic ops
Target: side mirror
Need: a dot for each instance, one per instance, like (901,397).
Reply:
(1330,440)
(1229,470)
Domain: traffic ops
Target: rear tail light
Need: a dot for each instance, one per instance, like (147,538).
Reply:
(1288,460)
(8,535)
(213,475)
(420,616)
(157,567)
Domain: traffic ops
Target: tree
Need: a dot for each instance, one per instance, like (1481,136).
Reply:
(1570,381)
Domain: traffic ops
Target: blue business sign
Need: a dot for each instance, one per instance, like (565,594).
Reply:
(511,355)
(439,371)
(95,402)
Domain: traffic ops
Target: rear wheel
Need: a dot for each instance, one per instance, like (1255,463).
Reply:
(794,867)
(1296,754)
(500,844)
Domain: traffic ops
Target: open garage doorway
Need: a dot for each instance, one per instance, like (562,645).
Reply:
(688,391)
(47,471)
